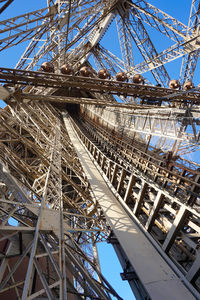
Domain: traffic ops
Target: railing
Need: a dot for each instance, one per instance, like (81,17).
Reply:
(179,180)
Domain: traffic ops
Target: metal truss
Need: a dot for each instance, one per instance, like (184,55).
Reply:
(188,66)
(162,22)
(164,128)
(144,44)
(90,16)
(187,46)
(170,123)
(125,42)
(46,199)
(75,189)
(189,61)
(27,26)
(150,95)
(167,56)
(159,20)
(38,234)
(106,59)
(84,50)
(193,24)
(87,16)
(107,168)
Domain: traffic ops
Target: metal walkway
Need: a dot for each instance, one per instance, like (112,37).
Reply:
(156,276)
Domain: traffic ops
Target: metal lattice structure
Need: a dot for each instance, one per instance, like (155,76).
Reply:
(86,159)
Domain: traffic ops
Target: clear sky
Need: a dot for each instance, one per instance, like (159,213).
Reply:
(179,9)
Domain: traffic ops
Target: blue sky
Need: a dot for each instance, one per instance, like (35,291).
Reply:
(179,9)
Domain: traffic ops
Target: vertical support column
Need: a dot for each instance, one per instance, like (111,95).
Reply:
(140,251)
(140,198)
(129,187)
(98,156)
(96,258)
(178,222)
(59,36)
(28,283)
(114,173)
(108,172)
(123,173)
(103,162)
(94,152)
(63,281)
(154,211)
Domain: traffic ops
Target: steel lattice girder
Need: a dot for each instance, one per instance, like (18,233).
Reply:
(35,150)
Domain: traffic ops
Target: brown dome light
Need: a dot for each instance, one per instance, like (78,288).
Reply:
(174,84)
(47,67)
(137,78)
(121,76)
(66,69)
(188,85)
(85,72)
(103,74)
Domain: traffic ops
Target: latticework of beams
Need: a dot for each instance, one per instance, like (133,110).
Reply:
(146,47)
(125,42)
(189,61)
(91,16)
(49,197)
(57,128)
(175,114)
(163,22)
(29,145)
